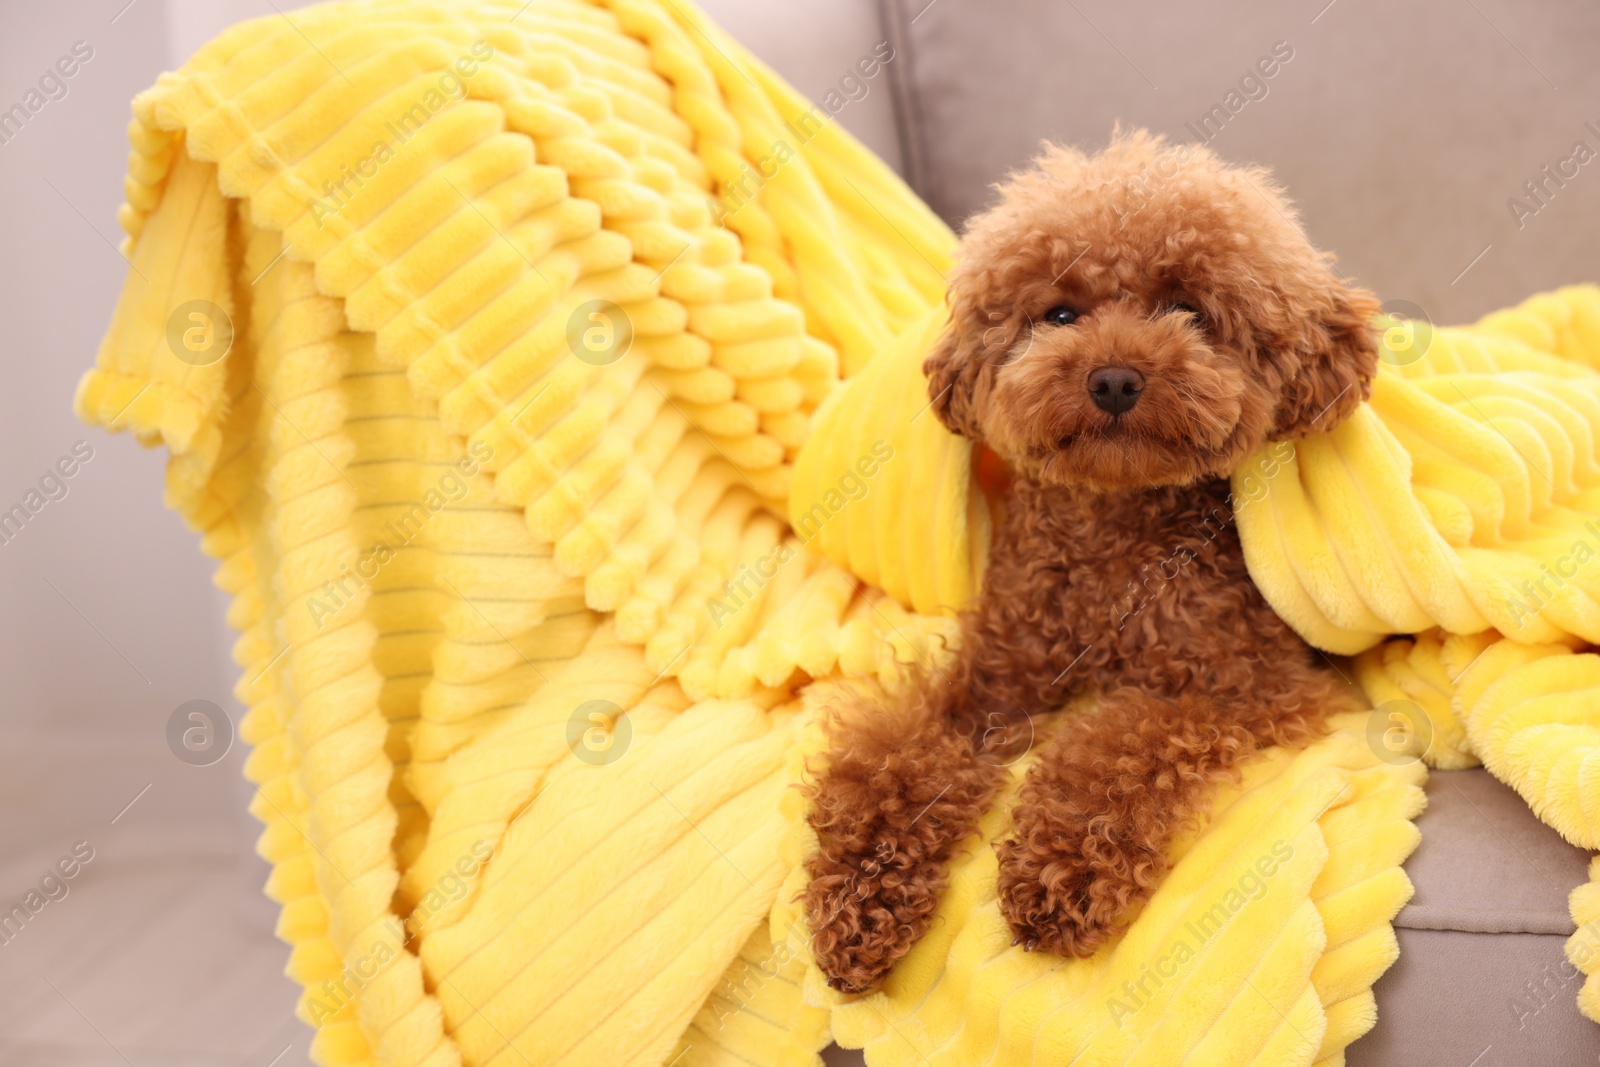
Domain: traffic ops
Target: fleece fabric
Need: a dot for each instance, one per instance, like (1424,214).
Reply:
(501,351)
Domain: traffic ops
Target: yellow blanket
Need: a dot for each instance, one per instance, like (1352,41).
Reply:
(488,341)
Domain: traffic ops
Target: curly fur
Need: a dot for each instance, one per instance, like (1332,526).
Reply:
(1116,570)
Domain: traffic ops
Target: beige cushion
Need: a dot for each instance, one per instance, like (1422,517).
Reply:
(1481,969)
(1401,129)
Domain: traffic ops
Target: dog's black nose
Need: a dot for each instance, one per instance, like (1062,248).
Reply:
(1115,389)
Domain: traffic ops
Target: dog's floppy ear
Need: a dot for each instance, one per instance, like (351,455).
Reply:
(1336,348)
(952,374)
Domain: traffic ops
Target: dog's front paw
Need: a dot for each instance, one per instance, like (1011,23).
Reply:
(865,915)
(888,815)
(1065,888)
(1050,906)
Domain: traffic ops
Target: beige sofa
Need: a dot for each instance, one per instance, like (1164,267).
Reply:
(1406,133)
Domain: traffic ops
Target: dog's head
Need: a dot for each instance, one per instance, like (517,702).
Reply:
(1145,316)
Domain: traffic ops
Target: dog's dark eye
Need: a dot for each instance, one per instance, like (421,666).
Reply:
(1061,315)
(1190,310)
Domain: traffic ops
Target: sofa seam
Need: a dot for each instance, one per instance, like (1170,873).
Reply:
(1485,921)
(902,91)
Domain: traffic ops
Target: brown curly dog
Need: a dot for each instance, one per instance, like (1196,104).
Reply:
(1125,329)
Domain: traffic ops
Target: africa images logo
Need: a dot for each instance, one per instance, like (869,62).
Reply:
(1537,593)
(449,88)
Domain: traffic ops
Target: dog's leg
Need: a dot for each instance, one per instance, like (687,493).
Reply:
(902,789)
(900,792)
(1096,814)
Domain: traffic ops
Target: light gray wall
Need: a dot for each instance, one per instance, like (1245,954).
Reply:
(147,637)
(110,620)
